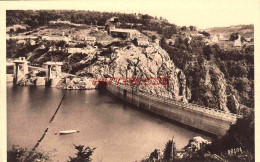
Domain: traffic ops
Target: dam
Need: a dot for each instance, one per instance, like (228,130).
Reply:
(210,120)
(20,68)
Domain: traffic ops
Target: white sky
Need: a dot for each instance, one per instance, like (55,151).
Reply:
(201,13)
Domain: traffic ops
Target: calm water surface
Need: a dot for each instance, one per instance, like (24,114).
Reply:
(119,132)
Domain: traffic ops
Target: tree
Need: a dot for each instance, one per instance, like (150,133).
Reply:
(19,154)
(11,31)
(241,134)
(233,36)
(83,154)
(184,28)
(153,38)
(170,150)
(193,28)
(162,42)
(135,42)
(154,155)
(206,34)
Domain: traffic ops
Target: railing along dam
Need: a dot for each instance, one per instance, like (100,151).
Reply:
(210,120)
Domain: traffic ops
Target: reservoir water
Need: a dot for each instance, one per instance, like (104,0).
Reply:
(118,131)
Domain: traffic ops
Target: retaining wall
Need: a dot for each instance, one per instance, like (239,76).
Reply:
(209,120)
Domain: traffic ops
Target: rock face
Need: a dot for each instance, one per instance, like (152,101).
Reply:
(209,87)
(196,143)
(27,80)
(233,104)
(151,62)
(76,83)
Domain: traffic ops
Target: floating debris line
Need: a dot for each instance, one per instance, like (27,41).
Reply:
(46,130)
(58,107)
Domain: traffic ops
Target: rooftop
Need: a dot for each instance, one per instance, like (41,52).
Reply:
(125,30)
(53,63)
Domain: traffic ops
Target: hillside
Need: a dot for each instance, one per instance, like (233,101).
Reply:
(211,75)
(244,30)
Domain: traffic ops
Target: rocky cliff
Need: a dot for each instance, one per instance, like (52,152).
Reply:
(207,87)
(150,62)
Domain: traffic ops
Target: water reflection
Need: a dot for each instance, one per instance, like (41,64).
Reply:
(119,132)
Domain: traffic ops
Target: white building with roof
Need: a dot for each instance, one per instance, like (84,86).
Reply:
(143,41)
(57,38)
(90,40)
(238,43)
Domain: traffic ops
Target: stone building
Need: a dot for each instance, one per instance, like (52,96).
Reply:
(125,33)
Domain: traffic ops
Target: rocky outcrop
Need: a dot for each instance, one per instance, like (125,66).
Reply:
(196,143)
(233,104)
(208,86)
(82,83)
(27,80)
(185,154)
(151,62)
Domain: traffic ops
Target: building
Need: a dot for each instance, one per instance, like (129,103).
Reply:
(23,37)
(172,41)
(143,41)
(101,58)
(21,41)
(59,22)
(197,35)
(221,37)
(248,39)
(57,38)
(63,22)
(214,39)
(16,27)
(87,50)
(111,24)
(238,43)
(125,33)
(32,42)
(104,42)
(157,41)
(90,40)
(101,27)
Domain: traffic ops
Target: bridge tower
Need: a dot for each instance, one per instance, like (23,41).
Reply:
(20,71)
(53,73)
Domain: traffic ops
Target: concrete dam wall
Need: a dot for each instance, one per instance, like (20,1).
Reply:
(206,119)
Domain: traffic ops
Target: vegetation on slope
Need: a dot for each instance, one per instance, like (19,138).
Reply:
(236,146)
(203,65)
(197,60)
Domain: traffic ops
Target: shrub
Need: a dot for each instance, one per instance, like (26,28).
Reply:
(170,150)
(19,154)
(83,154)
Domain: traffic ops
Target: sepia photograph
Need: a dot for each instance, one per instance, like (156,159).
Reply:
(138,83)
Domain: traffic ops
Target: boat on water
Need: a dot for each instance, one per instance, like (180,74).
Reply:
(68,132)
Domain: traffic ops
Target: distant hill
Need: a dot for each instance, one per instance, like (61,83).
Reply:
(244,30)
